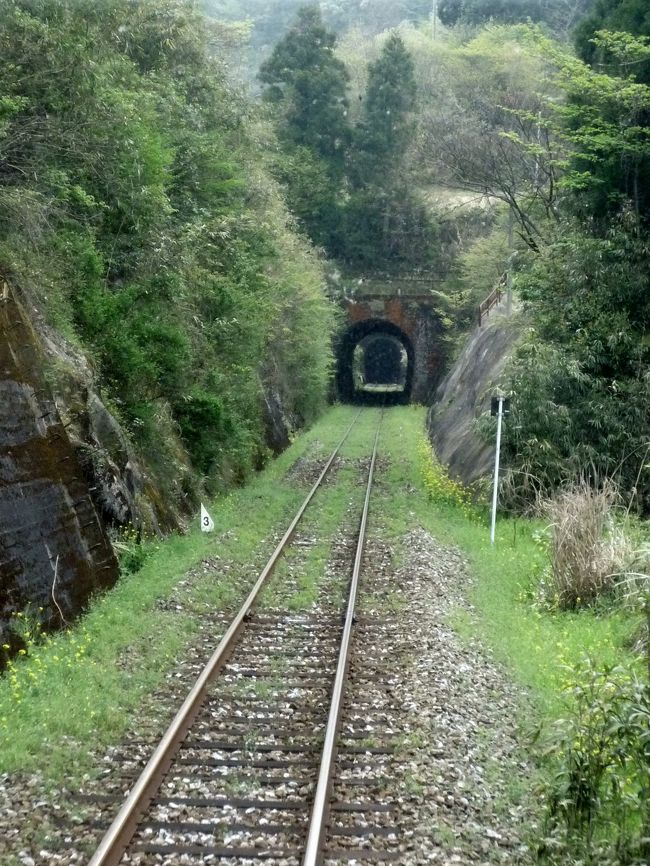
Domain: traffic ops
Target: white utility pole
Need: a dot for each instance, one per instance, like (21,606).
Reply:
(434,18)
(495,492)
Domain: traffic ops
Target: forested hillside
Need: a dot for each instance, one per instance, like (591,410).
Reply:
(469,152)
(139,219)
(173,228)
(269,20)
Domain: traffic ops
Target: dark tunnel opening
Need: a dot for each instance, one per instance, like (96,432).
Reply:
(375,362)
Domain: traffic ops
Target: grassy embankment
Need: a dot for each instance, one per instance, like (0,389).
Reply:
(80,688)
(537,645)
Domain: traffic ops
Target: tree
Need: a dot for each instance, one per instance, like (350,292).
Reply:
(386,127)
(614,39)
(560,15)
(307,83)
(582,382)
(629,16)
(386,226)
(479,11)
(486,128)
(582,395)
(605,119)
(306,86)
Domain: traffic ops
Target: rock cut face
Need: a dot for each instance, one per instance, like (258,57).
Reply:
(465,395)
(54,550)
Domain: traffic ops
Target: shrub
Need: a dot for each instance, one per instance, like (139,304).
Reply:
(132,549)
(439,486)
(598,795)
(588,549)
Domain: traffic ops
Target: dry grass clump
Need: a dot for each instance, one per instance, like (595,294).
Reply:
(588,549)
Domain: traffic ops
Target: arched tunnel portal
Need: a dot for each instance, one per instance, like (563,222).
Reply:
(375,363)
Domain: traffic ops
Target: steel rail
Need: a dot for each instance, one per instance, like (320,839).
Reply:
(119,834)
(320,810)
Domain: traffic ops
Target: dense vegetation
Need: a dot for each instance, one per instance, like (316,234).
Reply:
(348,183)
(177,232)
(137,211)
(555,155)
(167,249)
(269,20)
(581,383)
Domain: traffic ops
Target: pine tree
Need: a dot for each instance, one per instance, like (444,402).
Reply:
(386,226)
(308,84)
(384,132)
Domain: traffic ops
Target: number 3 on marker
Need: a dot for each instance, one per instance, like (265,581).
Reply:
(207,523)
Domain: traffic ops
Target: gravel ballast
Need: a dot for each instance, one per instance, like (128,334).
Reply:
(456,777)
(461,714)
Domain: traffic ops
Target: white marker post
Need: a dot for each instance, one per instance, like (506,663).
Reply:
(207,523)
(498,404)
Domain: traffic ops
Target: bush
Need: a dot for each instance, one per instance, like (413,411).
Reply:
(581,382)
(588,550)
(440,488)
(598,796)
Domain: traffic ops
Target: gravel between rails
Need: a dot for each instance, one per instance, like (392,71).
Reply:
(461,784)
(445,705)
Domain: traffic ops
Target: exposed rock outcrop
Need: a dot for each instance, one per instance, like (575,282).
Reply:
(54,550)
(69,471)
(465,395)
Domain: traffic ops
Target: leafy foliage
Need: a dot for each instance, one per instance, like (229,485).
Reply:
(439,487)
(606,121)
(484,127)
(560,15)
(622,17)
(581,381)
(597,797)
(137,210)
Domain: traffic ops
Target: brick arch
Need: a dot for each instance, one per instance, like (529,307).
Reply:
(411,315)
(348,342)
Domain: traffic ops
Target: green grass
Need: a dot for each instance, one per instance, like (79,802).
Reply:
(326,514)
(536,645)
(304,566)
(78,689)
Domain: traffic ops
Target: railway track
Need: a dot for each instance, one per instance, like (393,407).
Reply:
(270,759)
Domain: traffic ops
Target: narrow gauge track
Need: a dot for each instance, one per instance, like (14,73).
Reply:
(237,776)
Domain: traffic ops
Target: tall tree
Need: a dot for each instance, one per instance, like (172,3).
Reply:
(307,83)
(387,122)
(386,226)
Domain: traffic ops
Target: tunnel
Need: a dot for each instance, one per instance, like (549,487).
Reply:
(374,364)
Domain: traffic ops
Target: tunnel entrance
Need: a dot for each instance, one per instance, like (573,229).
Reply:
(375,364)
